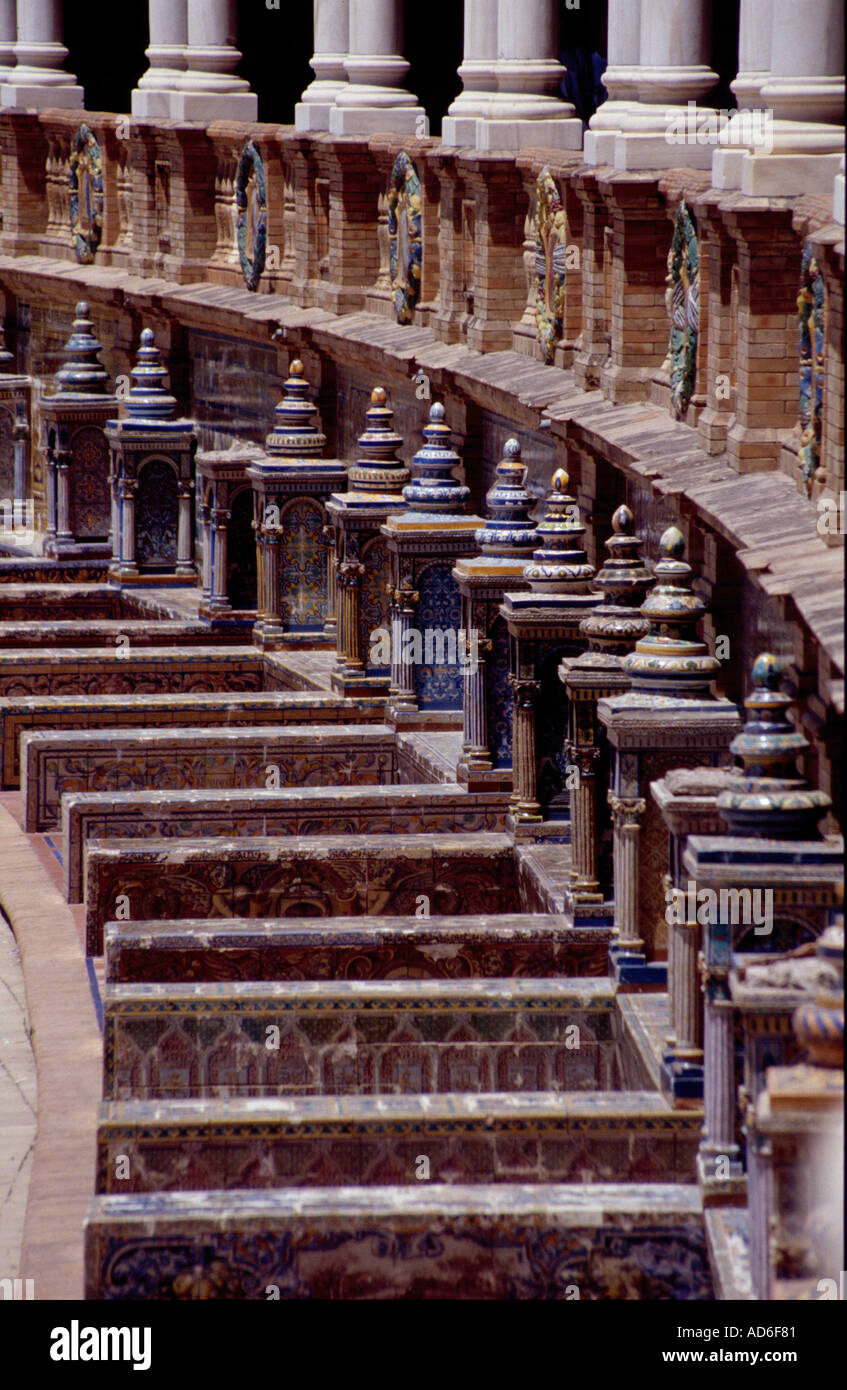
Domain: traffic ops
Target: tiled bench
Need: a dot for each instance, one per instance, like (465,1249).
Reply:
(368,1037)
(56,762)
(26,603)
(327,809)
(152,711)
(500,947)
(306,1141)
(101,671)
(498,1242)
(318,875)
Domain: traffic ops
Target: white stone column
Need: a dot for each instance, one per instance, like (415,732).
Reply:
(838,195)
(167,56)
(528,109)
(477,71)
(8,37)
(210,91)
(666,128)
(39,78)
(620,80)
(373,99)
(754,53)
(332,37)
(799,142)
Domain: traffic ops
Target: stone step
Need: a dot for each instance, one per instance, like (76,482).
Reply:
(142,710)
(344,948)
(103,671)
(24,603)
(328,809)
(108,632)
(368,1037)
(306,1141)
(430,1241)
(315,875)
(55,762)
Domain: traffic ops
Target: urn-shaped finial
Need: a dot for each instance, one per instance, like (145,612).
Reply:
(295,434)
(434,489)
(671,660)
(508,531)
(559,563)
(82,374)
(623,580)
(148,400)
(377,469)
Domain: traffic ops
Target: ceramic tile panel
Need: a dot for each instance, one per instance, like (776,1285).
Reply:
(58,762)
(363,809)
(318,876)
(331,1141)
(98,671)
(481,1242)
(501,947)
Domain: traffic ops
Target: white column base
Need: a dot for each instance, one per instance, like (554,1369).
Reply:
(313,115)
(562,134)
(799,158)
(213,106)
(459,131)
(787,175)
(367,120)
(633,152)
(36,95)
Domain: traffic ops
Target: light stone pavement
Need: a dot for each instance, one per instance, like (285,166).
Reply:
(17,1105)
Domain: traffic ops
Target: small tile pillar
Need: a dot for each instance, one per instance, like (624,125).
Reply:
(772,848)
(15,408)
(611,631)
(424,542)
(374,483)
(506,543)
(668,718)
(292,484)
(152,480)
(543,624)
(76,448)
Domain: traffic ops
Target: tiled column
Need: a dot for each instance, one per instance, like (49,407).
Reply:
(332,28)
(127,491)
(373,99)
(528,109)
(584,820)
(269,615)
(329,535)
(627,817)
(206,580)
(475,751)
(477,71)
(167,56)
(525,804)
(719,1153)
(63,496)
(39,78)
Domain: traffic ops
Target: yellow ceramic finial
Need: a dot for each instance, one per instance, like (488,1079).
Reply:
(296,367)
(560,480)
(379,395)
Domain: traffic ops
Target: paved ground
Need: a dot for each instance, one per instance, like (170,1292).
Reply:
(67,1046)
(17,1105)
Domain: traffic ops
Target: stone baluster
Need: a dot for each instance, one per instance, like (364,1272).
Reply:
(332,27)
(373,98)
(167,56)
(39,78)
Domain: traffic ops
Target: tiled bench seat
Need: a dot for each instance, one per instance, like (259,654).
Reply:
(298,810)
(143,710)
(55,762)
(306,1141)
(371,1037)
(433,1241)
(316,875)
(102,671)
(501,947)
